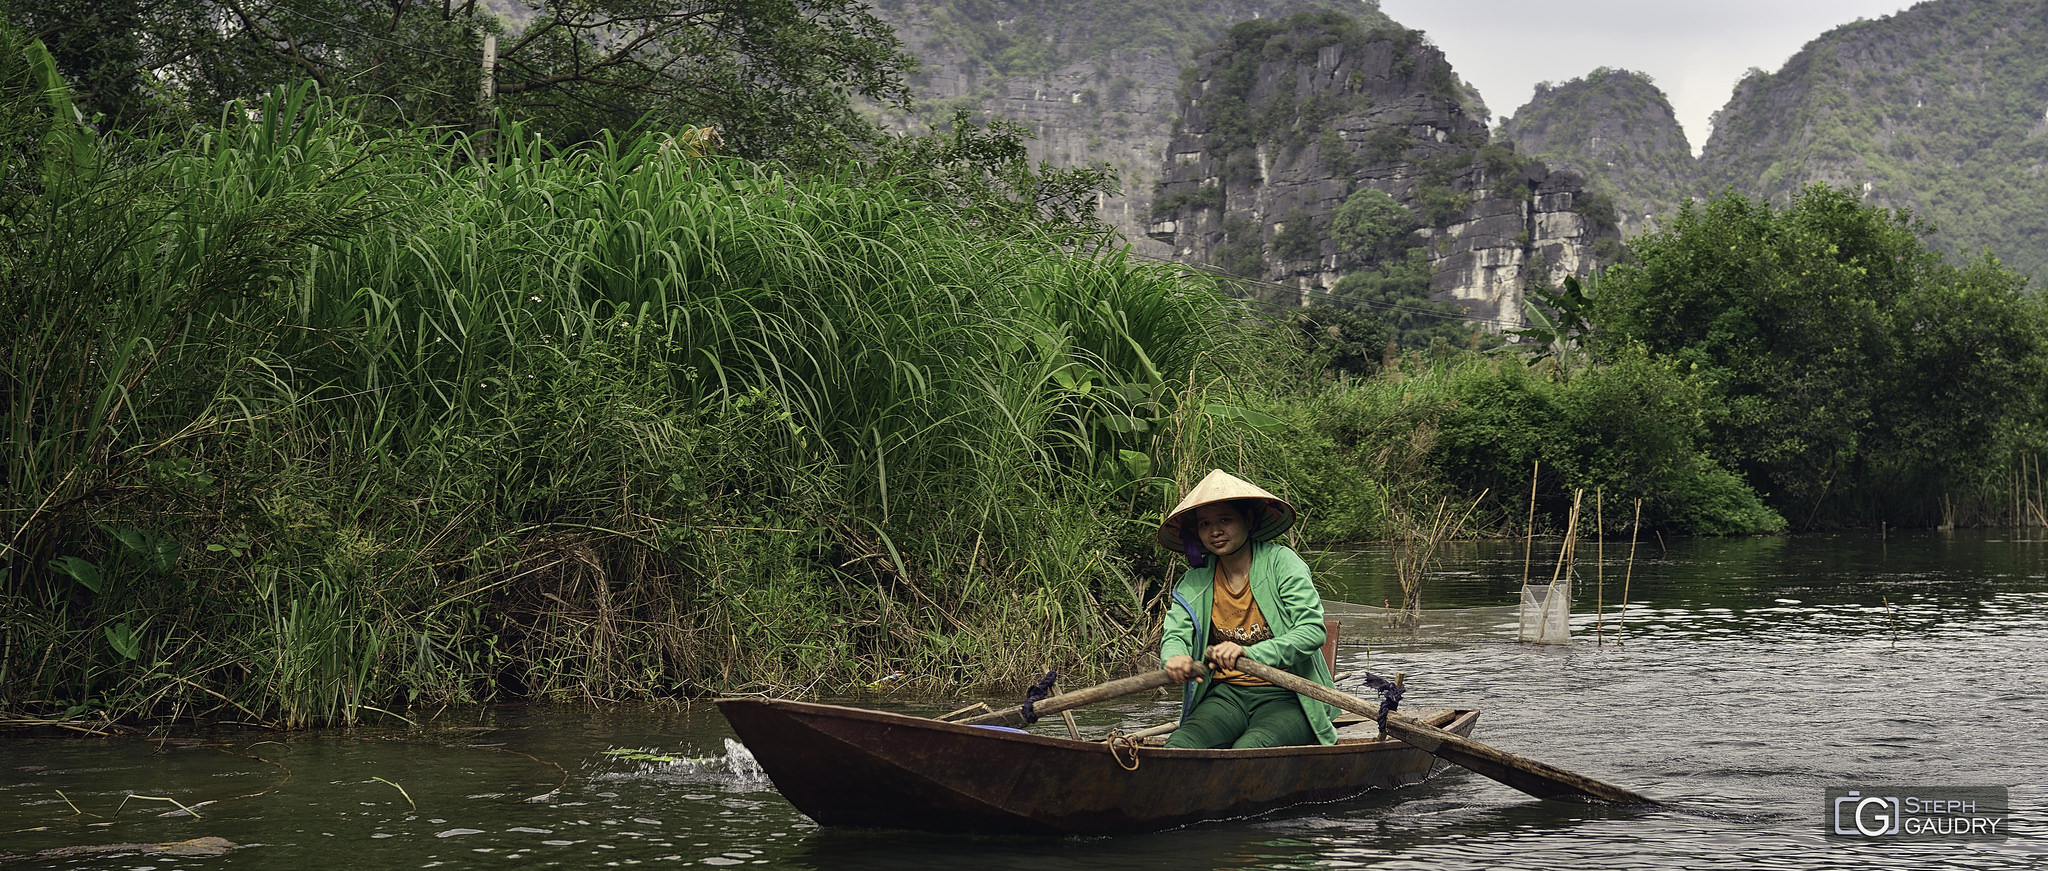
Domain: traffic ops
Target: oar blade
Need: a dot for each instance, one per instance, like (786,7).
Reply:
(1528,775)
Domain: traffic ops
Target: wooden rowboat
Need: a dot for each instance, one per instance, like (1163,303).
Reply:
(854,767)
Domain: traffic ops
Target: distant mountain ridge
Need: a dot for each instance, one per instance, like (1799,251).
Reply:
(1941,109)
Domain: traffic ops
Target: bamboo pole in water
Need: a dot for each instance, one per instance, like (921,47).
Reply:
(1571,537)
(1621,624)
(2036,503)
(1529,547)
(2012,499)
(1599,566)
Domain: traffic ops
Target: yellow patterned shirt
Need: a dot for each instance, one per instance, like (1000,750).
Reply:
(1237,618)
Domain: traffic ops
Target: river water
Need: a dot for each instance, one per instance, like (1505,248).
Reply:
(1744,679)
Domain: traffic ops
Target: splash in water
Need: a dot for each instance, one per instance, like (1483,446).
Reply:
(734,769)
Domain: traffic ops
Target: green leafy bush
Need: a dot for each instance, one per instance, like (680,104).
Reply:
(1840,346)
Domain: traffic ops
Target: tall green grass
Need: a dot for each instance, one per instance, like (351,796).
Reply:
(303,422)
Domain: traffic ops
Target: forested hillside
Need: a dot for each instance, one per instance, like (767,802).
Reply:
(1616,128)
(1941,109)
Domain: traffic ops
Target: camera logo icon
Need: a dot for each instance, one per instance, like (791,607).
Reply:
(1868,815)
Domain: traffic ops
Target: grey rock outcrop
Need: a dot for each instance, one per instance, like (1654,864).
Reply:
(1282,122)
(1095,82)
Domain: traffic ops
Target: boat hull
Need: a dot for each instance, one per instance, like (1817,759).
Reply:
(853,767)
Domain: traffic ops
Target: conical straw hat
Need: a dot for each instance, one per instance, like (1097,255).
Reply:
(1221,486)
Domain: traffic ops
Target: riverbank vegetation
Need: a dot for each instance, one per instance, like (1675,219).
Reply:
(304,419)
(310,418)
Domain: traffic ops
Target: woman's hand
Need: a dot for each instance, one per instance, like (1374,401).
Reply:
(1183,668)
(1225,654)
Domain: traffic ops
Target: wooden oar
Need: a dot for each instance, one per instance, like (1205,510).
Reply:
(1067,701)
(1527,775)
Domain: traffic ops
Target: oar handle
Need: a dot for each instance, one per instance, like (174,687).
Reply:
(1527,775)
(1067,701)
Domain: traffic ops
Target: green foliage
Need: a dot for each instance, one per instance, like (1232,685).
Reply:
(1338,341)
(1597,210)
(985,174)
(1631,429)
(1557,319)
(1388,143)
(1398,293)
(1464,425)
(304,420)
(1006,37)
(1508,170)
(1439,205)
(1243,250)
(1199,198)
(1863,377)
(1335,155)
(773,76)
(1372,226)
(1249,50)
(1938,108)
(1297,238)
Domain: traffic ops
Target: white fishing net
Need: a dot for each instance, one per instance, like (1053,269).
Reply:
(1547,613)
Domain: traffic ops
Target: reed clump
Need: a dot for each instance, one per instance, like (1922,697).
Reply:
(305,421)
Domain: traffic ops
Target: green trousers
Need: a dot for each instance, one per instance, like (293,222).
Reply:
(1240,717)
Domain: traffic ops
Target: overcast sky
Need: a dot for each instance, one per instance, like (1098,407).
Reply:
(1695,51)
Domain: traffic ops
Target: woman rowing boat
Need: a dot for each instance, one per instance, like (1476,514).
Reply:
(1246,595)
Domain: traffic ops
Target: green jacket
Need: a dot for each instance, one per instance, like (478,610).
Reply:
(1291,607)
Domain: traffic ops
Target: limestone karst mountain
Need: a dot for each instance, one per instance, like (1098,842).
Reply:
(1941,109)
(1093,80)
(1616,128)
(1107,82)
(1316,148)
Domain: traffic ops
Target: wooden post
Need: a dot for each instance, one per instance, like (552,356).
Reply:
(1600,566)
(1529,547)
(1621,625)
(486,98)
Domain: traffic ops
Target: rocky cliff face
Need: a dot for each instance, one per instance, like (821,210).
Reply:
(1942,108)
(1283,122)
(1094,80)
(1617,129)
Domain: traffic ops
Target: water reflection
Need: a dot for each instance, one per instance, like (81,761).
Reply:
(1749,676)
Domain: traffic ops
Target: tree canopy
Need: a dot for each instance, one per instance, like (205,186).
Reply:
(1860,375)
(777,78)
